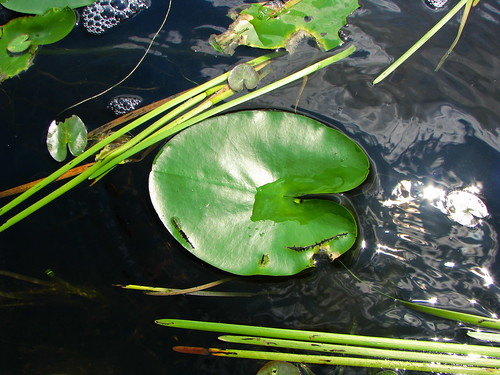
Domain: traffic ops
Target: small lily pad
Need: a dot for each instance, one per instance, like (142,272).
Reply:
(243,75)
(233,191)
(71,133)
(19,44)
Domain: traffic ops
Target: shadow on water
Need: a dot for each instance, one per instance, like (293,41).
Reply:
(432,138)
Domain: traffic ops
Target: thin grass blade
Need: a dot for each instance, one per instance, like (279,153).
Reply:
(454,315)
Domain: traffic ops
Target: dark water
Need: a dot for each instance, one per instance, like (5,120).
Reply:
(433,139)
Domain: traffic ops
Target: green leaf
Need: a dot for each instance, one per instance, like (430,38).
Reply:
(270,26)
(229,191)
(46,28)
(19,44)
(243,75)
(70,133)
(40,6)
(21,37)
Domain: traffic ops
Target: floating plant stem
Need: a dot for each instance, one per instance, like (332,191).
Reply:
(101,144)
(454,315)
(442,313)
(333,338)
(364,351)
(485,336)
(159,291)
(22,188)
(336,360)
(178,126)
(110,161)
(421,41)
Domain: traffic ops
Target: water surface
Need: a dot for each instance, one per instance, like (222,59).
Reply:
(432,137)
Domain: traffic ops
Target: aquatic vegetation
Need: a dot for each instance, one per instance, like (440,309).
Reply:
(260,201)
(484,336)
(463,3)
(454,315)
(103,15)
(345,349)
(279,368)
(33,290)
(278,24)
(186,109)
(243,76)
(71,133)
(20,38)
(39,7)
(199,290)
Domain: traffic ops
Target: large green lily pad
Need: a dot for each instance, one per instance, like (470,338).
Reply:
(229,190)
(271,24)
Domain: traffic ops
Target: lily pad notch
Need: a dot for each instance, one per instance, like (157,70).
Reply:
(232,191)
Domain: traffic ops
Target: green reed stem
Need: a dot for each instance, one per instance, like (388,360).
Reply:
(365,352)
(192,118)
(334,360)
(454,315)
(110,161)
(421,41)
(332,338)
(125,129)
(465,15)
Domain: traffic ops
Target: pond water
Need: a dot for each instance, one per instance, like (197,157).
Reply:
(433,139)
